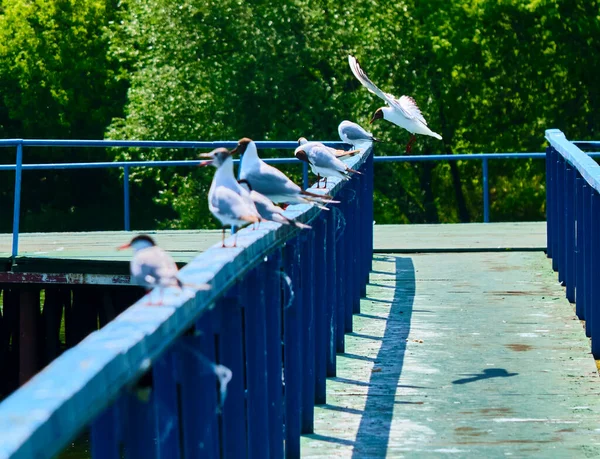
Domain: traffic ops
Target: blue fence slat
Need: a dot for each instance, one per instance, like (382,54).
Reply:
(562,220)
(580,249)
(570,233)
(587,237)
(292,339)
(549,199)
(308,332)
(231,355)
(138,436)
(556,218)
(195,353)
(166,407)
(256,365)
(594,269)
(320,264)
(331,301)
(105,433)
(273,308)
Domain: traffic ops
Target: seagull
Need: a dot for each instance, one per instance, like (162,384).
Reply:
(322,161)
(403,112)
(353,133)
(227,200)
(268,210)
(334,151)
(271,182)
(152,267)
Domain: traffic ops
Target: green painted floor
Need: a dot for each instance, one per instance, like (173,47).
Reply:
(462,355)
(95,252)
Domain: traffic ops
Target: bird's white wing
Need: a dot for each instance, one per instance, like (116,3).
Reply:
(406,105)
(361,76)
(411,109)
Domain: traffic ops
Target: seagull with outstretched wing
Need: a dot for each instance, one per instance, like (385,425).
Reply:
(403,112)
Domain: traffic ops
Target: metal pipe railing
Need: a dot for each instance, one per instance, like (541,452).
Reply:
(19,167)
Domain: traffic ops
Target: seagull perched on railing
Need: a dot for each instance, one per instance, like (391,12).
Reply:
(322,161)
(353,133)
(268,210)
(337,153)
(403,112)
(227,200)
(152,267)
(271,182)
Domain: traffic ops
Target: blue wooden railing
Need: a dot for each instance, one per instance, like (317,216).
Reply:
(273,321)
(19,166)
(573,226)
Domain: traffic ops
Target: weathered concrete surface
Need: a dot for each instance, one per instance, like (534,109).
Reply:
(460,237)
(474,355)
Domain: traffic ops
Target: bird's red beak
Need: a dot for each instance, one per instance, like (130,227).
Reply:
(208,162)
(124,246)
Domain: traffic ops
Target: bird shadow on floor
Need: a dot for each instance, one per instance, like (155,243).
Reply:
(485,374)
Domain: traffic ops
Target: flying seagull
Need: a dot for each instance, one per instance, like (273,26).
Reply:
(403,112)
(227,200)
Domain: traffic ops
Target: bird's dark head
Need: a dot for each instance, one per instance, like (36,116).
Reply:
(301,155)
(215,157)
(242,146)
(378,115)
(139,242)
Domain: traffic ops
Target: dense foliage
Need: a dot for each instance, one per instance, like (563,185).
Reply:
(489,76)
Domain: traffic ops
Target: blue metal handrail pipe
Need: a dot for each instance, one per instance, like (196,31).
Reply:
(275,316)
(18,167)
(573,226)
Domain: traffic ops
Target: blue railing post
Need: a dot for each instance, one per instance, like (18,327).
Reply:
(308,332)
(256,365)
(320,263)
(292,338)
(272,280)
(17,202)
(126,201)
(486,191)
(570,233)
(332,286)
(549,199)
(594,268)
(580,192)
(231,355)
(584,290)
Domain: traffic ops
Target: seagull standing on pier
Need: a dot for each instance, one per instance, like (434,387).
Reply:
(270,181)
(227,200)
(403,112)
(152,267)
(322,161)
(354,134)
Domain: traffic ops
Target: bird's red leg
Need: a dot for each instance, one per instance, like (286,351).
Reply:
(410,143)
(235,240)
(318,181)
(325,185)
(223,238)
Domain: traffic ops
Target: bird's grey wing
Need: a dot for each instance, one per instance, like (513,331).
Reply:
(355,132)
(153,266)
(230,204)
(322,157)
(271,181)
